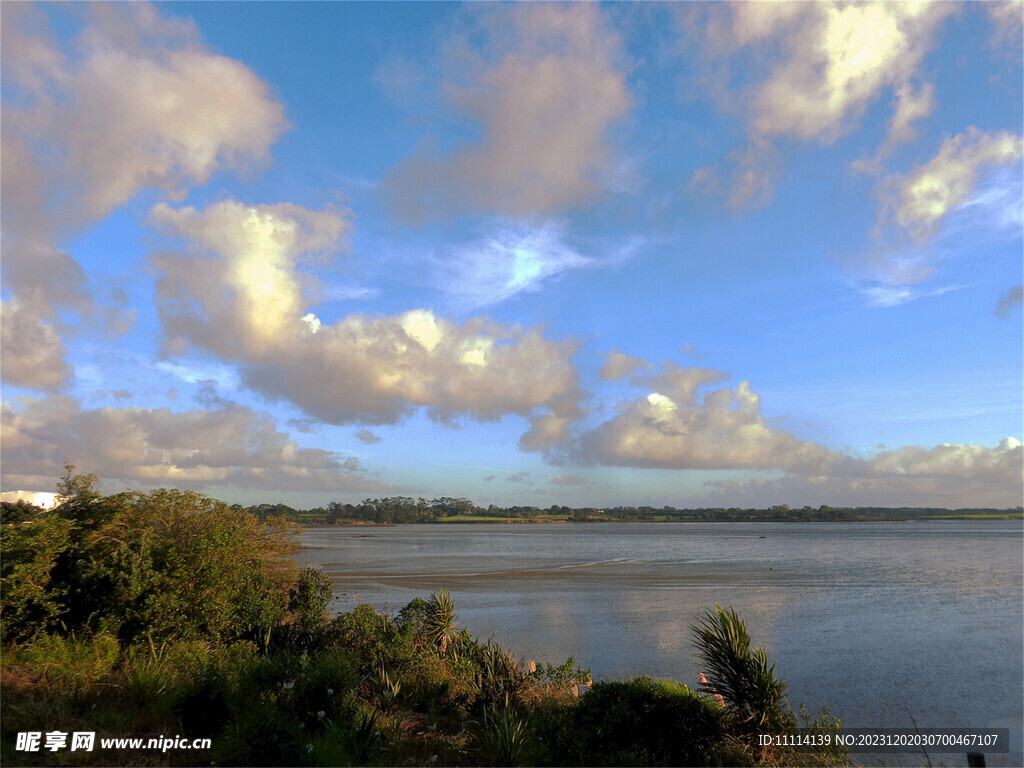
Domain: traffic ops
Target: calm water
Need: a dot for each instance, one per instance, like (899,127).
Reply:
(885,623)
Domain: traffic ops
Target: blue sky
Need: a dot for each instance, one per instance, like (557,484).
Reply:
(689,254)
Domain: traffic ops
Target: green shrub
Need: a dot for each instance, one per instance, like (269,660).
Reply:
(506,738)
(741,675)
(373,639)
(438,686)
(307,610)
(635,722)
(30,599)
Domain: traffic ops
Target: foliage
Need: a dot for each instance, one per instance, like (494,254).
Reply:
(18,511)
(439,623)
(505,738)
(167,565)
(373,639)
(30,599)
(741,675)
(636,722)
(307,606)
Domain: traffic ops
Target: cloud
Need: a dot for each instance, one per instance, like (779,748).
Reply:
(619,365)
(237,292)
(949,475)
(674,429)
(258,247)
(748,181)
(910,106)
(1007,17)
(228,446)
(1012,299)
(33,355)
(514,258)
(963,201)
(366,436)
(134,101)
(545,91)
(677,426)
(917,201)
(823,64)
(837,58)
(568,480)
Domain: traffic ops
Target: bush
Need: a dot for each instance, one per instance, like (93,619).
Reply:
(635,722)
(30,600)
(166,565)
(739,674)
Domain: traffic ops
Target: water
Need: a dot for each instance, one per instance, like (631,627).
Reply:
(887,624)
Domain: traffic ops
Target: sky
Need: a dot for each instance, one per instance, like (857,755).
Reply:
(688,254)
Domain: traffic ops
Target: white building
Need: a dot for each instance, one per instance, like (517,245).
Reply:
(39,498)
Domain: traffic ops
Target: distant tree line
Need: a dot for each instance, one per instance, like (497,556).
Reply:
(403,509)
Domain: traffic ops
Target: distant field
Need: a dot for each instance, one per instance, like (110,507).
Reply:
(490,519)
(985,516)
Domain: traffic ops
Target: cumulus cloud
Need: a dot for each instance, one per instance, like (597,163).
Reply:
(619,365)
(33,355)
(673,428)
(837,58)
(514,258)
(949,475)
(229,446)
(544,92)
(681,425)
(1012,299)
(917,201)
(256,249)
(135,101)
(237,293)
(824,64)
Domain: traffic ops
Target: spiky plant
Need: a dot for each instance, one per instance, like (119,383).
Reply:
(740,675)
(440,623)
(505,738)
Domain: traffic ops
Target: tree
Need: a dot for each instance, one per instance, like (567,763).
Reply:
(168,564)
(739,674)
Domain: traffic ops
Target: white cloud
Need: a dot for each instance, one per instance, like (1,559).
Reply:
(257,248)
(918,201)
(134,101)
(545,92)
(676,426)
(228,446)
(823,64)
(515,258)
(838,58)
(671,428)
(949,475)
(237,293)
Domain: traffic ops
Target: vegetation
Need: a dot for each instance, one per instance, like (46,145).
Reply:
(171,614)
(402,509)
